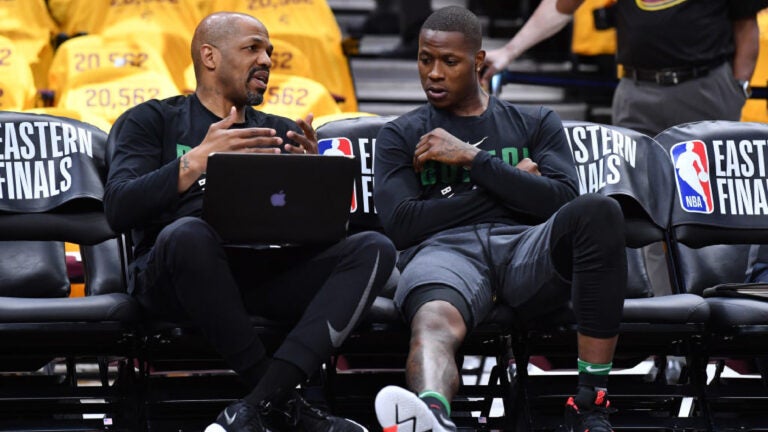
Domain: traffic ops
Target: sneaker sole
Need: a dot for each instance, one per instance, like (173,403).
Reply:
(399,410)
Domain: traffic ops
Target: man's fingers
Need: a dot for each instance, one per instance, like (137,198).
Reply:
(227,121)
(268,150)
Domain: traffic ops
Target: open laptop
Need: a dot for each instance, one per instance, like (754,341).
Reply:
(280,200)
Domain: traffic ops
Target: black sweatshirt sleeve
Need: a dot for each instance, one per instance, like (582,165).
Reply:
(139,187)
(504,193)
(522,192)
(407,219)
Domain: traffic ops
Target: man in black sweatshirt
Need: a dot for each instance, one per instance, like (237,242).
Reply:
(481,198)
(183,271)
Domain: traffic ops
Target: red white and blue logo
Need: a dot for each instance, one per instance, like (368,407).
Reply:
(339,147)
(692,172)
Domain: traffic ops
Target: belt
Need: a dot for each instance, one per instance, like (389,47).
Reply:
(670,76)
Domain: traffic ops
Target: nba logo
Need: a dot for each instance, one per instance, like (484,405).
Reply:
(692,173)
(339,147)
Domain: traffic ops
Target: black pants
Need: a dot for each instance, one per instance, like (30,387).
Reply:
(189,275)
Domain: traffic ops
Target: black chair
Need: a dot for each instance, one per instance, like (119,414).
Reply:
(716,216)
(57,351)
(376,351)
(633,169)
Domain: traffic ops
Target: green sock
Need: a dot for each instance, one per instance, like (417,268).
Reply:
(435,400)
(594,368)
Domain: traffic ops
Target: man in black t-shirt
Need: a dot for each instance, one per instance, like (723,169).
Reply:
(481,198)
(183,271)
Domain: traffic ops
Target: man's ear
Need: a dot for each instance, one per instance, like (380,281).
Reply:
(479,60)
(208,56)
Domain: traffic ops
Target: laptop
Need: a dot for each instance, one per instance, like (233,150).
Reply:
(269,199)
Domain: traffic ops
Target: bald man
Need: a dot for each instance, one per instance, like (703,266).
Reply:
(182,271)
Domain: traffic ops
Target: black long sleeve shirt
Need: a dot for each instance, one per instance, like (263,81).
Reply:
(413,206)
(145,143)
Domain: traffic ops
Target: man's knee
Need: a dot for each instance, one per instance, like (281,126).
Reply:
(187,236)
(598,216)
(438,321)
(374,242)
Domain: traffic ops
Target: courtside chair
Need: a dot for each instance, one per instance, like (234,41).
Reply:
(50,342)
(633,169)
(719,210)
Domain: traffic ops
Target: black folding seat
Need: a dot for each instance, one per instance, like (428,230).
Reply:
(51,185)
(633,169)
(720,209)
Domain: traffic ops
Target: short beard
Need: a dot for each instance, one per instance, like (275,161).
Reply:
(254,99)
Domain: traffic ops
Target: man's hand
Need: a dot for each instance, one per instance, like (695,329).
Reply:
(307,143)
(438,145)
(529,166)
(222,139)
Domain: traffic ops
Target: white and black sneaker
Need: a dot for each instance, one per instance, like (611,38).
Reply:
(239,416)
(399,410)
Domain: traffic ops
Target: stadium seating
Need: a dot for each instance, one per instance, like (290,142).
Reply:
(294,97)
(719,209)
(107,91)
(17,85)
(28,24)
(312,28)
(85,16)
(51,193)
(84,53)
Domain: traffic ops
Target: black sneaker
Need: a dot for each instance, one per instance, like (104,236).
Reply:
(589,417)
(298,415)
(239,416)
(399,410)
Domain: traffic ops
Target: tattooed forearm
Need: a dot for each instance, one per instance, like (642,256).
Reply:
(184,162)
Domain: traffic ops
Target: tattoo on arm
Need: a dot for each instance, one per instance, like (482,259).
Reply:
(184,162)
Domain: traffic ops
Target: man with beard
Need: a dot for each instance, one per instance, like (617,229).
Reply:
(183,271)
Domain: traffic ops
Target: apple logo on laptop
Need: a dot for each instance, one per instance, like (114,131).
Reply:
(277,199)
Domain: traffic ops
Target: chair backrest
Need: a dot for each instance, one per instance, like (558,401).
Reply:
(312,28)
(172,44)
(633,169)
(88,16)
(28,24)
(33,269)
(83,116)
(17,85)
(84,53)
(357,136)
(630,167)
(295,96)
(721,202)
(109,91)
(50,192)
(288,59)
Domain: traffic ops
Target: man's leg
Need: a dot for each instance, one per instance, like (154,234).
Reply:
(326,292)
(590,231)
(187,277)
(442,292)
(431,372)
